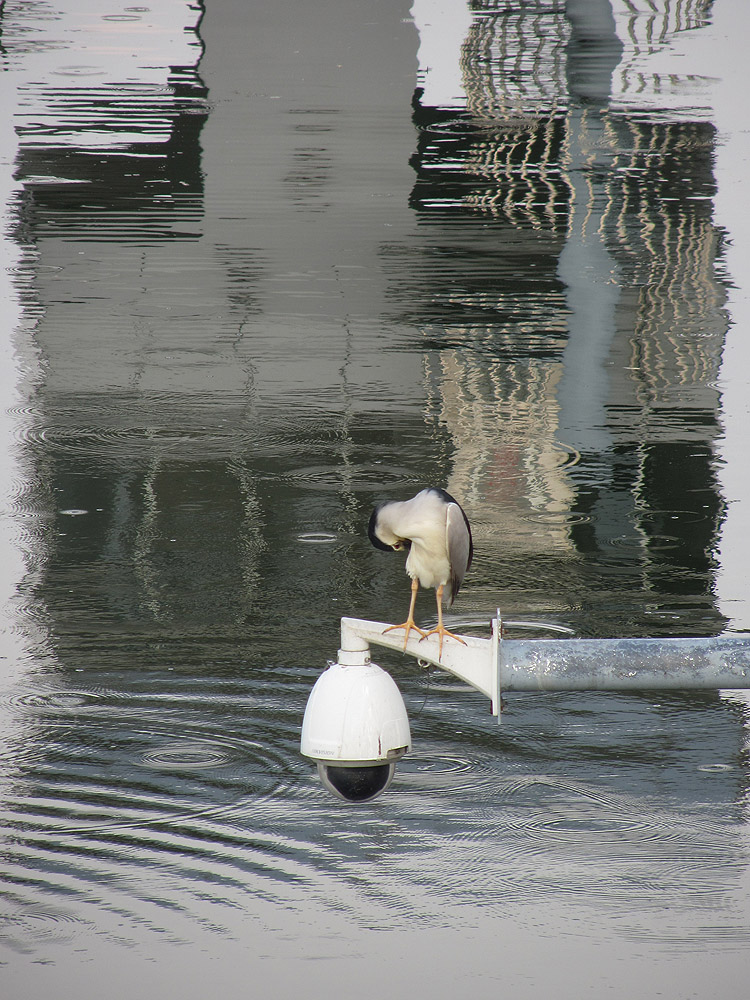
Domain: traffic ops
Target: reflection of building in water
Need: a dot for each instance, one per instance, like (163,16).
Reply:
(208,299)
(658,225)
(635,340)
(640,80)
(514,59)
(110,107)
(497,154)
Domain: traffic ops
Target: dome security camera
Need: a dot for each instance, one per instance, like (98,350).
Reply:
(355,727)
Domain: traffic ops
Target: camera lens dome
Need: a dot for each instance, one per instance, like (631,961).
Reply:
(356,784)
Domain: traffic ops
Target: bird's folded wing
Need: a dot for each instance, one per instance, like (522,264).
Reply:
(458,543)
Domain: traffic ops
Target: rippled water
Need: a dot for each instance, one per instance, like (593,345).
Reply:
(266,268)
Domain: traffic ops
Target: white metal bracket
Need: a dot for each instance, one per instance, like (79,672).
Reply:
(475,661)
(621,664)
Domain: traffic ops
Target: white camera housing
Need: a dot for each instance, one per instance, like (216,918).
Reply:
(355,724)
(355,727)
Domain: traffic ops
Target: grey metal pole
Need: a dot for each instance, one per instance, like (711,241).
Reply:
(625,664)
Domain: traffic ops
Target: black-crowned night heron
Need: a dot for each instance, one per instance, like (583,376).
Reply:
(435,530)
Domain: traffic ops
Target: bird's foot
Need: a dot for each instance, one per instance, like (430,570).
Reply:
(408,625)
(442,631)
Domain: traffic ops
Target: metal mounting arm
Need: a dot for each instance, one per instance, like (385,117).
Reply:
(475,662)
(496,664)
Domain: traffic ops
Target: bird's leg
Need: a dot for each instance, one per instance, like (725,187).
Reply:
(441,630)
(408,625)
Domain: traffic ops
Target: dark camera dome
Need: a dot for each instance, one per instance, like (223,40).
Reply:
(356,784)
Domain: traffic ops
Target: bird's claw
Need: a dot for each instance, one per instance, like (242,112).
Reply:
(442,631)
(408,626)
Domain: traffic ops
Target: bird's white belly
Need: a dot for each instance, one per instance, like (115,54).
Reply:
(431,570)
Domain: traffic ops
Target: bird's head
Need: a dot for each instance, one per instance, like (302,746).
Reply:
(382,535)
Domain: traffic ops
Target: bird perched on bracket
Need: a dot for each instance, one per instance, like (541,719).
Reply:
(435,530)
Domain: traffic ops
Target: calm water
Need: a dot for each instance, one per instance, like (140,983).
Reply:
(268,264)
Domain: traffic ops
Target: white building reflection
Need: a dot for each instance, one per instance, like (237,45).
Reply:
(555,122)
(576,129)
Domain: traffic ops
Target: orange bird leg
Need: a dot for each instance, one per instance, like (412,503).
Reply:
(408,625)
(441,630)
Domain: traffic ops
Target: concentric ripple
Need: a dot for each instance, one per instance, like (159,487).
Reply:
(557,517)
(317,537)
(40,924)
(452,772)
(45,701)
(191,754)
(357,478)
(89,760)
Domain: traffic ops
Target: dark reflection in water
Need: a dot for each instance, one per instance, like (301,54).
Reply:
(263,291)
(618,206)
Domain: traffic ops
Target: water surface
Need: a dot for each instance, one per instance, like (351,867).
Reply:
(265,268)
